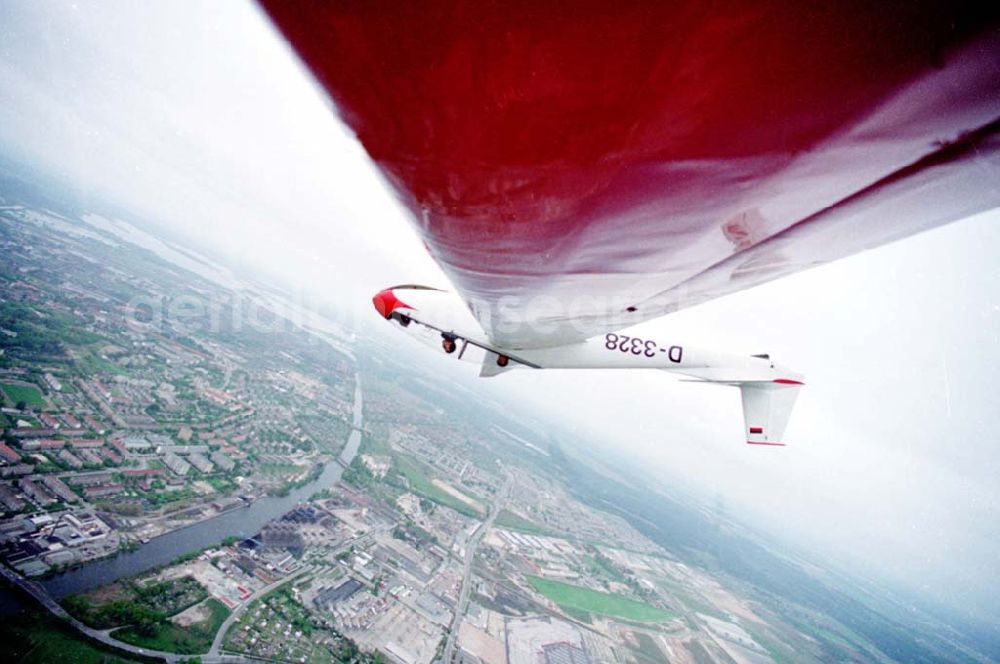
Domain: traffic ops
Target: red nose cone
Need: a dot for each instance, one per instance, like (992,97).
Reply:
(381,306)
(386,302)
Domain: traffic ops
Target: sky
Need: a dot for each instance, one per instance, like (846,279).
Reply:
(197,117)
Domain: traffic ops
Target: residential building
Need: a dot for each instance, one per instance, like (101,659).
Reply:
(16,469)
(176,464)
(36,493)
(224,463)
(201,463)
(59,489)
(9,455)
(70,459)
(9,499)
(103,490)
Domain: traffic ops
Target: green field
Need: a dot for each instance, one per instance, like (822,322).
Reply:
(170,637)
(585,599)
(420,484)
(29,394)
(278,470)
(124,603)
(576,614)
(511,521)
(600,566)
(35,638)
(89,361)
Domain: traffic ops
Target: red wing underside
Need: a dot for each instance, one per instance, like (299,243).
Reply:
(579,167)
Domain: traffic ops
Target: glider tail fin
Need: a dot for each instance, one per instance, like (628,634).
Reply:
(767,405)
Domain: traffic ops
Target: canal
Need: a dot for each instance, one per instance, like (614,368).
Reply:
(240,522)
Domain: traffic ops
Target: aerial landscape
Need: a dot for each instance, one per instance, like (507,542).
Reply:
(690,358)
(182,481)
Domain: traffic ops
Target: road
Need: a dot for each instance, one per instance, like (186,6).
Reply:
(213,654)
(104,636)
(238,611)
(470,553)
(43,598)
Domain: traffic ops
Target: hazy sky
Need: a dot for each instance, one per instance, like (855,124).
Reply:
(197,116)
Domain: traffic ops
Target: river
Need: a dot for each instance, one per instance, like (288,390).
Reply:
(240,522)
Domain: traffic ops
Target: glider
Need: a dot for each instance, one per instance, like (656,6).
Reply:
(579,168)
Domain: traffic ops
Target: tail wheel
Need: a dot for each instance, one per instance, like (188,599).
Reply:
(502,360)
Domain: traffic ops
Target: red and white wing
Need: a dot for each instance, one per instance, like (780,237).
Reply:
(579,168)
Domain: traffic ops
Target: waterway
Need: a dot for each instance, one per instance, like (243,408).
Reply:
(240,522)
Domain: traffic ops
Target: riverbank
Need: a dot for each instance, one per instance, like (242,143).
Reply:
(35,637)
(168,547)
(235,523)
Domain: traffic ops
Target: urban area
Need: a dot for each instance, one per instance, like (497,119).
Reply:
(190,474)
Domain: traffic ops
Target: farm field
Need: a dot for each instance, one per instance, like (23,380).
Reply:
(585,599)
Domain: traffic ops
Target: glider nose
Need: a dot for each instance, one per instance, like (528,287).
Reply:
(381,302)
(386,302)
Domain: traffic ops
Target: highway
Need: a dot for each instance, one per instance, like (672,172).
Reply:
(470,553)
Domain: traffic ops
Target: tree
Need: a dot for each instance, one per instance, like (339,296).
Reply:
(78,607)
(22,405)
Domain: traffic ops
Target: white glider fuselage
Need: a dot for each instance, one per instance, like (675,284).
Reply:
(443,321)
